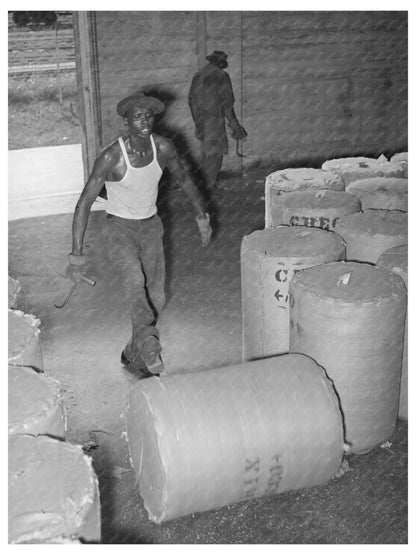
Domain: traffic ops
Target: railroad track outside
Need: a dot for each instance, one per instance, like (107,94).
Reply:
(36,48)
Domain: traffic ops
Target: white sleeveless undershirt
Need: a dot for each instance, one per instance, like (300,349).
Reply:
(134,197)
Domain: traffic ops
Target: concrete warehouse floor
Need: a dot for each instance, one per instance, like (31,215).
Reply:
(201,329)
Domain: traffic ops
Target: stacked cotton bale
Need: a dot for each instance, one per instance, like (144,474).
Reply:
(14,291)
(208,439)
(350,318)
(297,179)
(53,492)
(396,260)
(401,158)
(269,260)
(24,345)
(388,193)
(320,208)
(368,234)
(352,169)
(35,404)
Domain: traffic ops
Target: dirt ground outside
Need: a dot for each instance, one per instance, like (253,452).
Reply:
(200,329)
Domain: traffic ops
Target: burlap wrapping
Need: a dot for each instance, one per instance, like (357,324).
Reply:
(269,259)
(396,260)
(402,159)
(35,404)
(361,167)
(368,234)
(208,439)
(24,343)
(297,179)
(321,208)
(53,491)
(386,193)
(350,318)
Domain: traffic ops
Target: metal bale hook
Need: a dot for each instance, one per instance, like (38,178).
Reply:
(83,278)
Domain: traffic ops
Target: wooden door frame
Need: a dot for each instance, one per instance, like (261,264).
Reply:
(87,66)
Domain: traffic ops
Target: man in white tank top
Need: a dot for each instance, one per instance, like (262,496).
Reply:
(131,168)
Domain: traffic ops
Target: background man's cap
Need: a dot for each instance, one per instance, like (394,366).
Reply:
(141,100)
(218,56)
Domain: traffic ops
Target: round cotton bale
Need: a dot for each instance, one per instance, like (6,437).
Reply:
(24,344)
(386,193)
(368,234)
(360,167)
(35,404)
(298,179)
(312,208)
(208,439)
(14,290)
(53,491)
(402,159)
(350,318)
(269,259)
(396,260)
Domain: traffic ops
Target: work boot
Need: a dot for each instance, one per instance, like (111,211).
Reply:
(138,367)
(150,354)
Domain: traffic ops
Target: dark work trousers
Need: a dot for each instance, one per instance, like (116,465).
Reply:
(212,133)
(211,166)
(135,247)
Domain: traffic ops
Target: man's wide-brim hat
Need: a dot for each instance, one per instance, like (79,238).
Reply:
(140,100)
(218,56)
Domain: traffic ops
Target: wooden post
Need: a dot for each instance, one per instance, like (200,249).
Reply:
(201,41)
(58,69)
(88,87)
(241,83)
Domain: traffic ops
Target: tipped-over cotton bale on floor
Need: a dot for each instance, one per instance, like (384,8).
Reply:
(396,260)
(402,159)
(53,491)
(297,179)
(360,167)
(350,318)
(312,208)
(386,193)
(368,234)
(35,404)
(208,439)
(14,290)
(24,343)
(269,260)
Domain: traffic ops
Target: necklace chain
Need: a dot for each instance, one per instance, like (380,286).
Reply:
(136,151)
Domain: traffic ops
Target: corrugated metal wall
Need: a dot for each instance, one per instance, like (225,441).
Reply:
(308,85)
(323,84)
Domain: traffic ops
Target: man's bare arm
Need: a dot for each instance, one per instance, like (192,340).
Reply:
(103,165)
(175,165)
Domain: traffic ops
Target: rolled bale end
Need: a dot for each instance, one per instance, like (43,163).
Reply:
(269,260)
(396,260)
(385,193)
(35,404)
(14,291)
(208,439)
(368,234)
(53,492)
(297,179)
(321,208)
(401,158)
(350,318)
(360,167)
(24,344)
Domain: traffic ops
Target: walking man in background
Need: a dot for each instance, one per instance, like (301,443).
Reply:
(211,101)
(131,168)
